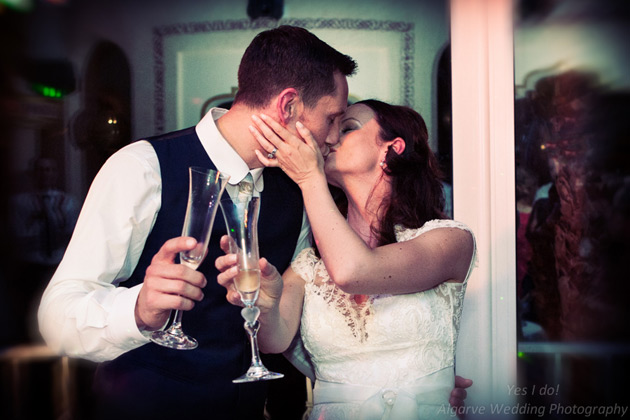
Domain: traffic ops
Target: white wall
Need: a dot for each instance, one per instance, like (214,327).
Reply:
(130,24)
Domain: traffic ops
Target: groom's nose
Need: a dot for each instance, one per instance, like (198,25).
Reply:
(333,135)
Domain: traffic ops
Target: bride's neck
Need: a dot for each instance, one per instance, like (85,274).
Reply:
(364,211)
(360,224)
(361,221)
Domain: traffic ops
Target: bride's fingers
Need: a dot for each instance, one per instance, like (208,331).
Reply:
(268,132)
(306,135)
(262,140)
(268,139)
(265,160)
(285,135)
(267,147)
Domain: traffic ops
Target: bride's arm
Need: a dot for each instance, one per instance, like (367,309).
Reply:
(443,254)
(281,322)
(439,255)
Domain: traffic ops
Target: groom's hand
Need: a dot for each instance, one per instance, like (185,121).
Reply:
(168,286)
(459,394)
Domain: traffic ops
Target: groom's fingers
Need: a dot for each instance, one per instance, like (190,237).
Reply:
(172,247)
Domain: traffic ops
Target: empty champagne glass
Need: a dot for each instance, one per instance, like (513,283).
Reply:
(204,192)
(241,220)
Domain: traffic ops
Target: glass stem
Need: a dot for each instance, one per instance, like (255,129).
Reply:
(176,327)
(253,341)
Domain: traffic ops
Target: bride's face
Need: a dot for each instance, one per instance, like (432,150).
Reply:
(359,151)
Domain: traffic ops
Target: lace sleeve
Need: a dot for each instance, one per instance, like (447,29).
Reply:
(405,234)
(452,293)
(304,264)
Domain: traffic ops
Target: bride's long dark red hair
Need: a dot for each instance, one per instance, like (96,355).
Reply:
(417,194)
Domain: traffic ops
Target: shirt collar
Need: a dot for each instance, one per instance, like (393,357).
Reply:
(222,154)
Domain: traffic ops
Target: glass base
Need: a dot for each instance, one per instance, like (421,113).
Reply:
(174,341)
(257,374)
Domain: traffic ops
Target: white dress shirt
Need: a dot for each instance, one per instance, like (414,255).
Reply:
(82,312)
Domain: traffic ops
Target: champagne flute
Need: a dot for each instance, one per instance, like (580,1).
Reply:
(204,192)
(241,220)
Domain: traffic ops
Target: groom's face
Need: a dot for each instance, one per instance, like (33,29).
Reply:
(323,119)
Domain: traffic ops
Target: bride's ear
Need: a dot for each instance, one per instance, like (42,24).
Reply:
(398,145)
(286,105)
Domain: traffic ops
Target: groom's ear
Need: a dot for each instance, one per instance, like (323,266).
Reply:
(286,105)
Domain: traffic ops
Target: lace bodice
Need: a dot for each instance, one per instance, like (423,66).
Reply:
(388,340)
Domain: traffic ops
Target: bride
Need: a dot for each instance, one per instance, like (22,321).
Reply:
(378,302)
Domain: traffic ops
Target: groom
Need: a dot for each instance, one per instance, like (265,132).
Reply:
(118,280)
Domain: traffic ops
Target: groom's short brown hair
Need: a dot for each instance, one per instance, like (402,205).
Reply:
(289,56)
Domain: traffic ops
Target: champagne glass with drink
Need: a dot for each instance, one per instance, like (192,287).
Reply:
(241,221)
(204,192)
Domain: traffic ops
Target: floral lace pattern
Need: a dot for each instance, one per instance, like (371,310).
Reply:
(356,314)
(387,340)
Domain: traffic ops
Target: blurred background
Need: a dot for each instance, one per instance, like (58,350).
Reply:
(572,151)
(81,79)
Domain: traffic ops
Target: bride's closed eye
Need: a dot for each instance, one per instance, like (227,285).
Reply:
(349,126)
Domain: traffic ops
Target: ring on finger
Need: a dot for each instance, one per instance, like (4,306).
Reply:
(272,155)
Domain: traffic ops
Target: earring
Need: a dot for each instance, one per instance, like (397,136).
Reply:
(382,163)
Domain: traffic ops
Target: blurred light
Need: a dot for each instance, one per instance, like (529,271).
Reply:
(21,5)
(50,78)
(47,91)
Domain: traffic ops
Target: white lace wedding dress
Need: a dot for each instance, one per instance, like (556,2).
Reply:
(390,357)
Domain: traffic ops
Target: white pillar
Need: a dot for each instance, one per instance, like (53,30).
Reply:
(483,181)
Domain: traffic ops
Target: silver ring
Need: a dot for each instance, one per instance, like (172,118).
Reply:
(272,155)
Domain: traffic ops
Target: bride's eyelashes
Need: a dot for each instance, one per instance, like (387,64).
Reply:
(349,127)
